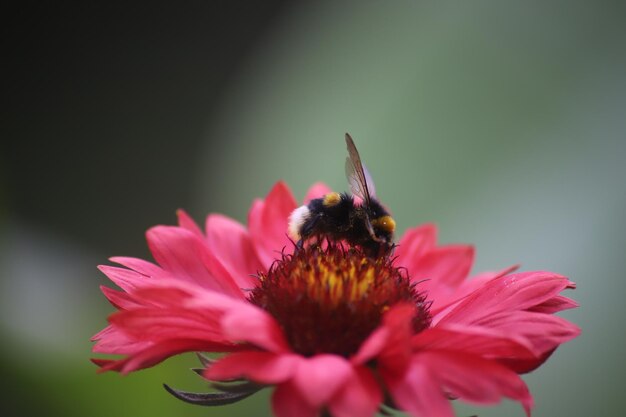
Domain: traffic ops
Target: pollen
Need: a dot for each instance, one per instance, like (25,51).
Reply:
(331,199)
(329,300)
(386,223)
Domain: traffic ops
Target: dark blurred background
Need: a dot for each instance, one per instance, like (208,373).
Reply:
(501,121)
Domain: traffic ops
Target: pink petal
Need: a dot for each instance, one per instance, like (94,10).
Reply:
(442,270)
(182,294)
(287,401)
(267,222)
(396,354)
(139,265)
(232,245)
(101,363)
(522,366)
(165,323)
(186,222)
(359,397)
(157,353)
(474,340)
(472,284)
(554,305)
(186,256)
(253,325)
(102,334)
(415,243)
(317,190)
(474,379)
(544,331)
(158,324)
(124,278)
(372,346)
(190,296)
(119,299)
(261,367)
(418,392)
(446,303)
(111,340)
(478,280)
(391,340)
(508,293)
(204,310)
(170,311)
(318,378)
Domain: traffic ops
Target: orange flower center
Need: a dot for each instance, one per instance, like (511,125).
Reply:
(330,300)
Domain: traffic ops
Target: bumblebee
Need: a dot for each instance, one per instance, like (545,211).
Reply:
(364,223)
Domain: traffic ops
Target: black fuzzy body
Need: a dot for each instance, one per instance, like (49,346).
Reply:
(347,221)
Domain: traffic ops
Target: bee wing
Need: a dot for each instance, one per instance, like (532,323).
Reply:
(356,184)
(369,181)
(359,178)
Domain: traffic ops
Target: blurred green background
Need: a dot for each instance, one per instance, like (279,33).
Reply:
(503,122)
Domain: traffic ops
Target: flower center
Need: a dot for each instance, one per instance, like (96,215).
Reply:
(330,300)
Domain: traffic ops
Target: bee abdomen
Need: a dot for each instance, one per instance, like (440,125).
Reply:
(297,219)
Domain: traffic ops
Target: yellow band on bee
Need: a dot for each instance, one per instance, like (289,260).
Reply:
(331,199)
(386,223)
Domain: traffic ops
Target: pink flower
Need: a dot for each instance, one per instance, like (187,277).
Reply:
(332,330)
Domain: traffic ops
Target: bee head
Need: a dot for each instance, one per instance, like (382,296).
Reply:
(383,224)
(382,227)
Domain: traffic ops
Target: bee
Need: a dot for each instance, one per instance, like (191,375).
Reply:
(364,223)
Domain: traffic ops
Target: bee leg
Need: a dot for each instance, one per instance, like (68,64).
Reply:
(300,244)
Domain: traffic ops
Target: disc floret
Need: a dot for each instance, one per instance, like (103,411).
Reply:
(329,300)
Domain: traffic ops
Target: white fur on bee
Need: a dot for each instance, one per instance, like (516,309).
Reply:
(296,220)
